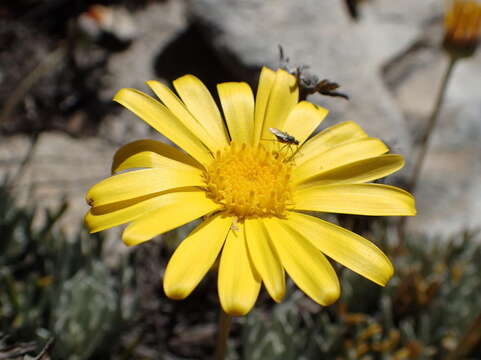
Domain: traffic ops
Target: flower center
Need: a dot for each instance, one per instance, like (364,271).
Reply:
(250,181)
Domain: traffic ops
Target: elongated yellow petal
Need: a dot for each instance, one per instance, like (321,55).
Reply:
(359,199)
(147,159)
(175,105)
(332,136)
(266,82)
(304,118)
(105,217)
(238,104)
(202,106)
(339,156)
(195,256)
(142,182)
(187,207)
(238,282)
(150,154)
(359,172)
(345,247)
(305,264)
(284,96)
(161,119)
(265,259)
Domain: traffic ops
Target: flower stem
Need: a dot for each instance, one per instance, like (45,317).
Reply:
(424,145)
(222,336)
(431,125)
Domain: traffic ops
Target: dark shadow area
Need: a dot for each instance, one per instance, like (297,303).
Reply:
(189,53)
(46,87)
(50,75)
(53,15)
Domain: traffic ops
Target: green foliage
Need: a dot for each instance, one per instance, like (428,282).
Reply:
(58,286)
(424,312)
(54,285)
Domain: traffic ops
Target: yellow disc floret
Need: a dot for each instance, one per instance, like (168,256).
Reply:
(250,181)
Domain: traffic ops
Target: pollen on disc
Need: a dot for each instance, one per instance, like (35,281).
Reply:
(250,181)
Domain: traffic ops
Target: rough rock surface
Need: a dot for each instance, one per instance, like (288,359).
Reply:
(157,25)
(389,63)
(361,56)
(318,34)
(59,167)
(449,191)
(412,12)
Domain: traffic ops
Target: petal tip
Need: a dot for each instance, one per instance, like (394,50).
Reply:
(120,94)
(331,296)
(387,273)
(89,200)
(186,77)
(278,297)
(86,222)
(130,240)
(236,310)
(175,292)
(388,277)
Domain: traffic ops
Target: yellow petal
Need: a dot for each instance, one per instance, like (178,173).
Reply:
(105,217)
(238,104)
(161,119)
(266,82)
(332,136)
(175,105)
(305,264)
(359,172)
(201,248)
(142,182)
(303,120)
(202,106)
(345,247)
(238,283)
(187,206)
(339,156)
(359,199)
(265,259)
(149,154)
(283,97)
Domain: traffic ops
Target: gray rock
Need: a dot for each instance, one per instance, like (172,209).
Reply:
(361,57)
(157,25)
(413,12)
(318,34)
(59,167)
(448,193)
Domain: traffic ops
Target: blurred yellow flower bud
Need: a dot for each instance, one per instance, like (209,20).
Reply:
(462,26)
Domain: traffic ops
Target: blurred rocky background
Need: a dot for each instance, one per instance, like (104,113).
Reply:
(62,61)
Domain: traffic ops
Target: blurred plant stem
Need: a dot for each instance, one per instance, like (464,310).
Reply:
(424,144)
(222,335)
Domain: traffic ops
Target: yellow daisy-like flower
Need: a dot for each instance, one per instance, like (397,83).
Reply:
(251,190)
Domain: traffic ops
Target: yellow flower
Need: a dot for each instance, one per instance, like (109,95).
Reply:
(252,190)
(462,25)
